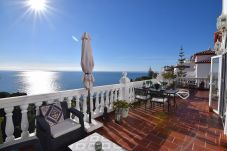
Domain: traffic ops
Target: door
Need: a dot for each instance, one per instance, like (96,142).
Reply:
(215,83)
(223,100)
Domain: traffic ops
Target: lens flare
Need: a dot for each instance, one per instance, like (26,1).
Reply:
(37,5)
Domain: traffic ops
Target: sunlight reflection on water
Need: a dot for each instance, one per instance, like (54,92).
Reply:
(37,82)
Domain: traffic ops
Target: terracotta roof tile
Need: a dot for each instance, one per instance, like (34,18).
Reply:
(204,61)
(205,52)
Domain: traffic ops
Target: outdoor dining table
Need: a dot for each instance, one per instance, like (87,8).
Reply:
(172,92)
(168,92)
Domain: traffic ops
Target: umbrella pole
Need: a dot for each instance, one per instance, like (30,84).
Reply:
(89,105)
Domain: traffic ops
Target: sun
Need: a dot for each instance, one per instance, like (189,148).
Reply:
(37,5)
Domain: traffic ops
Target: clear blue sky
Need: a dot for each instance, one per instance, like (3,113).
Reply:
(127,35)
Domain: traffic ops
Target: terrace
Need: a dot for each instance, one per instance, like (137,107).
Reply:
(189,126)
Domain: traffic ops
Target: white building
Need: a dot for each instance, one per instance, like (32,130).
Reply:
(202,61)
(199,64)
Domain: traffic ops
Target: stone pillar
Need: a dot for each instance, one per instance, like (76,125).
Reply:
(224,7)
(125,81)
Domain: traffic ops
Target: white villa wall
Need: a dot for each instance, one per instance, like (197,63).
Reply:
(202,70)
(202,57)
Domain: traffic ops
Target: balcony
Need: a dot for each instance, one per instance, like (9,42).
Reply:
(189,126)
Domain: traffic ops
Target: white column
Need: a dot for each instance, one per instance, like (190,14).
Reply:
(224,7)
(85,106)
(125,81)
(24,121)
(102,102)
(97,106)
(9,129)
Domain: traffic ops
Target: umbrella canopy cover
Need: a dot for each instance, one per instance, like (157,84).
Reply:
(87,61)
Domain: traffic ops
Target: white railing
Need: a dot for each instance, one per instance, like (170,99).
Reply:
(193,82)
(103,96)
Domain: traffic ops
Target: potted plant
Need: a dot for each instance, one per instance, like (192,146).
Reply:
(121,108)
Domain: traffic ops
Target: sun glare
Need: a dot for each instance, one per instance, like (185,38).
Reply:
(37,5)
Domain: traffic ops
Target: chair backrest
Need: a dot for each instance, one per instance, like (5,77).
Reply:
(157,94)
(141,91)
(64,107)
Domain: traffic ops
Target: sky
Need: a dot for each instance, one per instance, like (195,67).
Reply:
(126,35)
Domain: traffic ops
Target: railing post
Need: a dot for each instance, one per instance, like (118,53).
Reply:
(111,100)
(24,121)
(97,103)
(102,102)
(125,81)
(85,107)
(107,102)
(9,129)
(77,103)
(91,104)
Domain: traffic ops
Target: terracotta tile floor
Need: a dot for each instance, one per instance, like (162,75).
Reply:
(188,127)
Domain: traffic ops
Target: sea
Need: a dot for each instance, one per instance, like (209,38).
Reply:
(40,82)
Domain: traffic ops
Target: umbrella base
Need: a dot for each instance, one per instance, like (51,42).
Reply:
(94,125)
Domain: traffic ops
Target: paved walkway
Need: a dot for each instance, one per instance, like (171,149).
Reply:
(189,127)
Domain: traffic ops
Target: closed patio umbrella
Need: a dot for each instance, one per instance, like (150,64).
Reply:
(87,65)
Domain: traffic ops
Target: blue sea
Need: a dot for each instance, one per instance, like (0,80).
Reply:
(39,82)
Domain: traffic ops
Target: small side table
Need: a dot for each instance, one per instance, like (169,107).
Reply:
(93,126)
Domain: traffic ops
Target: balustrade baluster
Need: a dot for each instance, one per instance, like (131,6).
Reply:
(107,102)
(24,121)
(69,101)
(91,104)
(97,106)
(120,94)
(85,107)
(37,105)
(102,102)
(111,100)
(77,102)
(9,129)
(115,95)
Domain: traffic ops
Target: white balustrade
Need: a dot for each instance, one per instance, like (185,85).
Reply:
(24,121)
(9,129)
(193,82)
(104,96)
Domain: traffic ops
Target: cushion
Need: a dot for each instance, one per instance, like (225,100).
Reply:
(142,97)
(52,113)
(159,99)
(64,127)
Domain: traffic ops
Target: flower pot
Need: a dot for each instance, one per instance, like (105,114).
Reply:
(125,112)
(118,115)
